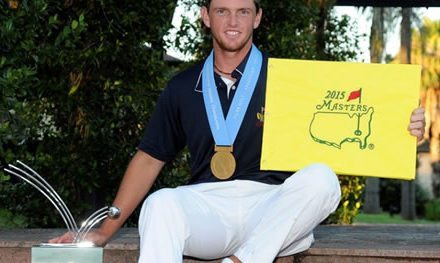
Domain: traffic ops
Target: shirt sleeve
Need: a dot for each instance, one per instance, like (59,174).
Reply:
(164,136)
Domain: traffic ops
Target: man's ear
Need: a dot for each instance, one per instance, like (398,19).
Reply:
(258,18)
(205,16)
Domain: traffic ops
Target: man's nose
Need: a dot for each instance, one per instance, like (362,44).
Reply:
(233,19)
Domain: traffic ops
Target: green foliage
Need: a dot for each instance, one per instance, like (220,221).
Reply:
(300,30)
(351,197)
(10,220)
(385,218)
(432,210)
(390,197)
(78,81)
(422,197)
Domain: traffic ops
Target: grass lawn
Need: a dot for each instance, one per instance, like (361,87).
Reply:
(385,218)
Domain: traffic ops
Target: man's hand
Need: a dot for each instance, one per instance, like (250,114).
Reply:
(417,123)
(96,237)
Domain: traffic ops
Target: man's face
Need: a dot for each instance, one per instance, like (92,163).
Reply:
(232,23)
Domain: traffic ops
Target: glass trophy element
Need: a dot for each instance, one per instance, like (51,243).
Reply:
(79,251)
(66,253)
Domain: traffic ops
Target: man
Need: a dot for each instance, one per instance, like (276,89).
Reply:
(230,208)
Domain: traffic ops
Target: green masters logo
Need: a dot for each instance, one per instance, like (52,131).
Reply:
(350,120)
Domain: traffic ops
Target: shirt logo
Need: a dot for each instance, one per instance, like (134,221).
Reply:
(260,118)
(342,119)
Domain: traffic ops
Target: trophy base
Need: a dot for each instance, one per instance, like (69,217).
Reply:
(66,253)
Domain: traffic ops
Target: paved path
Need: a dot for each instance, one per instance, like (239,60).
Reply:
(360,243)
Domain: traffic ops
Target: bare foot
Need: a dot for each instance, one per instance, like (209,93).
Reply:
(235,259)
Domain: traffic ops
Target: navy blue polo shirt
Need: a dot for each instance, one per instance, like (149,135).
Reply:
(180,120)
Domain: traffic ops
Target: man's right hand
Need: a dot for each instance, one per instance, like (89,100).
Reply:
(95,237)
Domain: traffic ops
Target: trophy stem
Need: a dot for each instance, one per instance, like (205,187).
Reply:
(41,185)
(55,194)
(98,218)
(88,220)
(46,195)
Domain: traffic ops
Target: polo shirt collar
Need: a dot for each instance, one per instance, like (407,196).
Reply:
(236,74)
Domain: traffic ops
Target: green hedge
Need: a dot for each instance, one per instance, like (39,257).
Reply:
(432,210)
(78,82)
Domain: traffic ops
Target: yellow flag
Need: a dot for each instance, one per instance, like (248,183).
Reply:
(350,116)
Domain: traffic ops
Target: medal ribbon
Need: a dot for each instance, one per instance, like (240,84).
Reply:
(225,131)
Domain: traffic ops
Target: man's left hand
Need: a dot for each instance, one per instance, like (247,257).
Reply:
(417,123)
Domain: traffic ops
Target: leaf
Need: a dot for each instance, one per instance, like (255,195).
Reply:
(73,89)
(74,24)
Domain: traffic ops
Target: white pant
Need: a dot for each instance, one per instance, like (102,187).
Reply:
(256,222)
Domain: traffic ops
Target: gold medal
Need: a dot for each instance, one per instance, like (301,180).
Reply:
(223,162)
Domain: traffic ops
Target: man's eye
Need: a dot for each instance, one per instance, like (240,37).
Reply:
(244,12)
(221,12)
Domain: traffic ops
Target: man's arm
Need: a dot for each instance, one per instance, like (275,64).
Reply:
(138,179)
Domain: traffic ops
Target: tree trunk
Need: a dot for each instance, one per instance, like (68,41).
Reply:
(377,47)
(372,197)
(405,36)
(321,24)
(408,199)
(377,36)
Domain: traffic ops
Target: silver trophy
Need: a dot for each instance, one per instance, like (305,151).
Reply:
(77,251)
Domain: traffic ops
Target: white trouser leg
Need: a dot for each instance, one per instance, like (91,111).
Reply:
(284,222)
(162,231)
(202,221)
